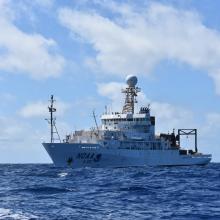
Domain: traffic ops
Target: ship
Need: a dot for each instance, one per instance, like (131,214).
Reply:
(123,139)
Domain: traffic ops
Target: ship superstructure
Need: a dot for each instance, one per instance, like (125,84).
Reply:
(124,139)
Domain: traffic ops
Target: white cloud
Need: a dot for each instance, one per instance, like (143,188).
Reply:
(169,116)
(112,90)
(7,97)
(10,128)
(211,125)
(27,53)
(20,142)
(209,135)
(44,3)
(40,109)
(134,41)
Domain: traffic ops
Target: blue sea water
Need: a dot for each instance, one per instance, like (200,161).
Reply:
(46,192)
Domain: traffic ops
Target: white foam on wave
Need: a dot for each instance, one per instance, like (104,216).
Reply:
(9,214)
(62,174)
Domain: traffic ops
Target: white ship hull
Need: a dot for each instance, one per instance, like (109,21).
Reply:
(78,155)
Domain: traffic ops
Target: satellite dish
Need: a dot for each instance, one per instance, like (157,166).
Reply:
(131,80)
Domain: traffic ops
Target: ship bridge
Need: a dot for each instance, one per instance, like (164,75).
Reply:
(120,122)
(140,124)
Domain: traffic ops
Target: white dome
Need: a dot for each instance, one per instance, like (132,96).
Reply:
(131,80)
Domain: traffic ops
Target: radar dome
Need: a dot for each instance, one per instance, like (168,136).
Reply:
(131,80)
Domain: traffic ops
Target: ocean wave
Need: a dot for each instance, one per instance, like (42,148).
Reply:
(47,192)
(10,214)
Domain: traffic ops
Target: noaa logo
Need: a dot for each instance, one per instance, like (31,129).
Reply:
(89,157)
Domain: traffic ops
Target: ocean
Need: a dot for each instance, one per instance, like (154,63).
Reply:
(42,191)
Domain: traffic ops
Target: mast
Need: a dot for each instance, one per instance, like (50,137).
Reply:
(52,121)
(130,94)
(51,110)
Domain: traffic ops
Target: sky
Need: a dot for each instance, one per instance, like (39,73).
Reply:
(81,51)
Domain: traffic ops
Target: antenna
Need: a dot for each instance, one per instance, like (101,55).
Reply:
(52,121)
(130,94)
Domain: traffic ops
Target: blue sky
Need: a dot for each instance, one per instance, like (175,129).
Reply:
(81,51)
